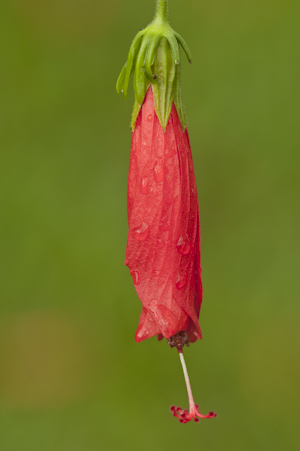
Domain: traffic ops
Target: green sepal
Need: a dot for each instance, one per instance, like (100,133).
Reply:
(121,79)
(184,46)
(139,71)
(175,49)
(130,63)
(162,90)
(154,59)
(150,58)
(141,85)
(177,98)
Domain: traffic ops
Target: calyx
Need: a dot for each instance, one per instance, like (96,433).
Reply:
(154,59)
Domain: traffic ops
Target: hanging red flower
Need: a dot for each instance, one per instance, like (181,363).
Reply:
(163,245)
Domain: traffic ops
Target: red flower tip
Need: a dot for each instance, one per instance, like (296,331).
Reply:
(184,416)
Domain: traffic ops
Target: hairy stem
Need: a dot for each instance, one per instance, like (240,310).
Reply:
(162,10)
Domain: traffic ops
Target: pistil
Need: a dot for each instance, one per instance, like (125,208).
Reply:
(183,415)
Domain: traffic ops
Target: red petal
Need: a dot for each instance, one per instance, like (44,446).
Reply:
(163,246)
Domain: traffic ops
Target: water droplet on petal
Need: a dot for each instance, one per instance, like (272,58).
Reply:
(159,144)
(141,233)
(144,185)
(149,118)
(183,245)
(158,171)
(181,281)
(135,277)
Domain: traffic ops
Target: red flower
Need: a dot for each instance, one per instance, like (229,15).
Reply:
(163,246)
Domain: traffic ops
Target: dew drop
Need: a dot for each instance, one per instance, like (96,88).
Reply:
(141,233)
(159,144)
(158,171)
(164,224)
(135,277)
(183,245)
(181,281)
(144,185)
(149,118)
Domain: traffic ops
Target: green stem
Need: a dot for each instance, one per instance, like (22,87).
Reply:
(162,10)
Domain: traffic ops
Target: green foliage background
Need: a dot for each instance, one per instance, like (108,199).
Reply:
(71,376)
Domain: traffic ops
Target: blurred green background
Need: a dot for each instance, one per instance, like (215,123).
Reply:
(71,376)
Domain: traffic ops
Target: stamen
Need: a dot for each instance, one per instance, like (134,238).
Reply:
(183,415)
